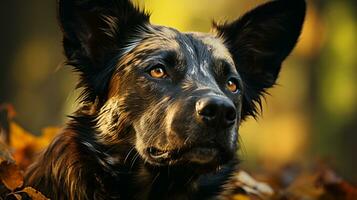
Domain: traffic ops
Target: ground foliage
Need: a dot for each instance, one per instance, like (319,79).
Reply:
(18,149)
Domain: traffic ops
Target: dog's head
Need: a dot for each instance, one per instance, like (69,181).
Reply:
(182,95)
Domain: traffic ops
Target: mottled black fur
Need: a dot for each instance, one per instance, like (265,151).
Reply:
(136,136)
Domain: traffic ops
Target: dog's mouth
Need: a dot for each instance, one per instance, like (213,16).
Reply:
(197,155)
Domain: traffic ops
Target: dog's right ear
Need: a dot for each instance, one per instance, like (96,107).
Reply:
(259,42)
(94,31)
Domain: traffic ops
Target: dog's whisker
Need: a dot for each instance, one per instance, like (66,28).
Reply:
(186,140)
(154,179)
(127,155)
(136,156)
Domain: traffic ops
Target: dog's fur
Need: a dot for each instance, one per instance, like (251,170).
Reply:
(136,136)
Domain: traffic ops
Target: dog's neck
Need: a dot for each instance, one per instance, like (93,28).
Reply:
(139,181)
(131,178)
(164,183)
(143,182)
(135,180)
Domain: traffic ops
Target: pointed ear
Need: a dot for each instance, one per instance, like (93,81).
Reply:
(259,42)
(93,32)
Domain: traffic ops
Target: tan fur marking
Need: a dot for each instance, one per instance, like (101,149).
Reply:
(216,45)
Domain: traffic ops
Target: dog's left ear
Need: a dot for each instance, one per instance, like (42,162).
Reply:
(259,42)
(94,31)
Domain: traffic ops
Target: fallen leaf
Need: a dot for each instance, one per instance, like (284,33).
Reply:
(240,197)
(5,154)
(244,187)
(251,186)
(303,187)
(26,146)
(34,194)
(335,187)
(14,196)
(10,174)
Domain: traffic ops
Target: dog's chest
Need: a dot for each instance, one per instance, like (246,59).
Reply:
(145,185)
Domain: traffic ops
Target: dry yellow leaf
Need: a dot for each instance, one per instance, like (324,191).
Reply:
(251,186)
(16,196)
(26,145)
(240,197)
(11,176)
(34,194)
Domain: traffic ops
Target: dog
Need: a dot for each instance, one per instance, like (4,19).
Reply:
(160,110)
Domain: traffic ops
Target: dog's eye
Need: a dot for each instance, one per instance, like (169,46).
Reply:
(158,72)
(232,85)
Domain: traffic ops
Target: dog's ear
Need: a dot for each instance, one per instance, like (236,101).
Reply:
(259,41)
(94,31)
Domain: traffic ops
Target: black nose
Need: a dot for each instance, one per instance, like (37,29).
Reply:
(216,111)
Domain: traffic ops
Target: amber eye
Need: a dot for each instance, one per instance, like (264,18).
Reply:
(158,72)
(232,85)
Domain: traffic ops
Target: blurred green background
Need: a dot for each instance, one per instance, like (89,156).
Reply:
(310,116)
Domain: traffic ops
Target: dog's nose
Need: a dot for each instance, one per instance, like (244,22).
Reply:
(216,111)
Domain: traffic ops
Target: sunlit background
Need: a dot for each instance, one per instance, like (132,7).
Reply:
(310,116)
